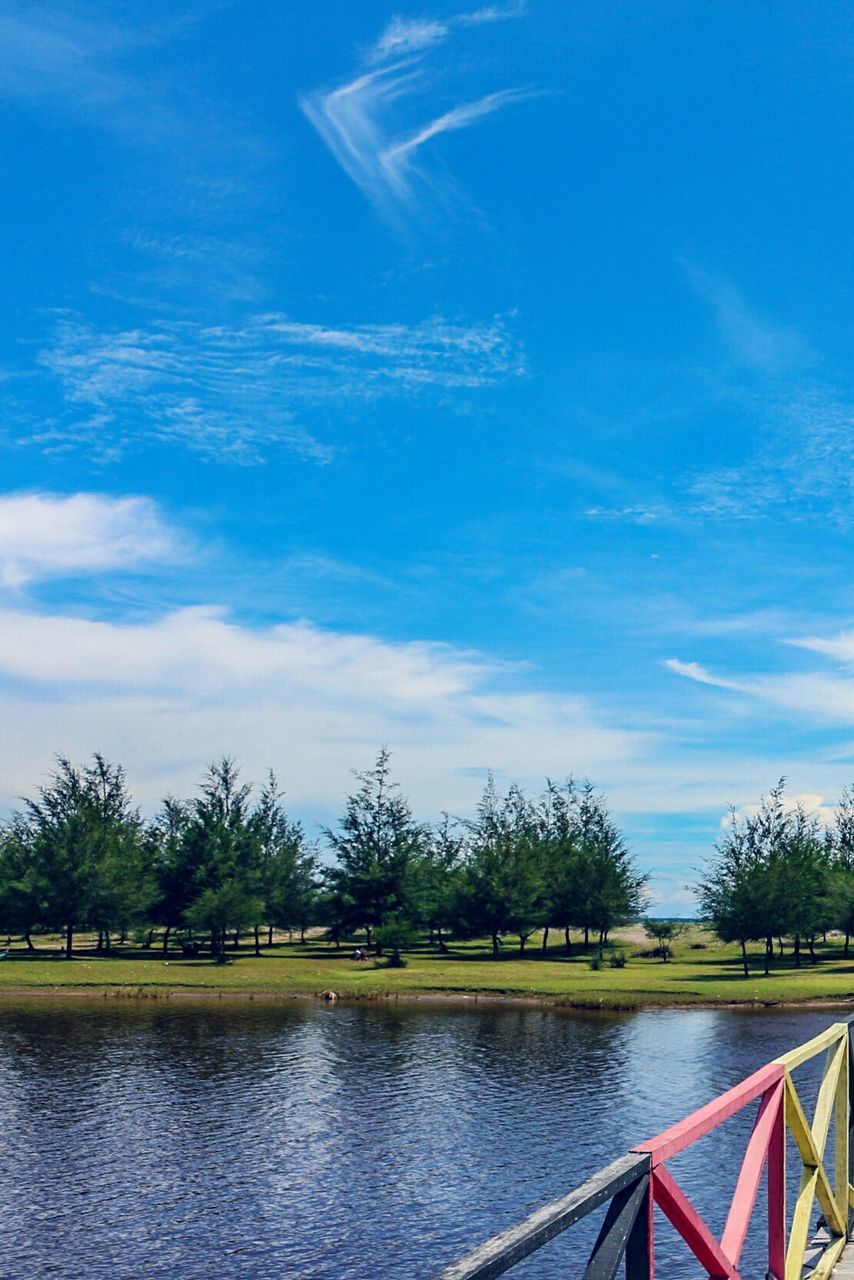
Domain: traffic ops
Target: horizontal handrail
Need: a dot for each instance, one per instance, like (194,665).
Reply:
(501,1252)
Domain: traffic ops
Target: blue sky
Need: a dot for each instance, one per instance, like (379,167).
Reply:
(473,380)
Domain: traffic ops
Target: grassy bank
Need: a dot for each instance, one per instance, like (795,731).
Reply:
(701,972)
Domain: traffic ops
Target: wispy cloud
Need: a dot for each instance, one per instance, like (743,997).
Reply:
(367,120)
(840,647)
(234,393)
(48,535)
(753,340)
(693,671)
(82,62)
(820,698)
(803,466)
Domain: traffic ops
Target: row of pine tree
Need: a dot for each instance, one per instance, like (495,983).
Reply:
(231,864)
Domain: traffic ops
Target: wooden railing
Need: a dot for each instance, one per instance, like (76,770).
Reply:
(640,1180)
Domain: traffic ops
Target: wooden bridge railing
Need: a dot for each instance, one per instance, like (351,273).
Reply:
(640,1180)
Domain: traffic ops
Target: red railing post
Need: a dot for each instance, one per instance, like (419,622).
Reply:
(777,1196)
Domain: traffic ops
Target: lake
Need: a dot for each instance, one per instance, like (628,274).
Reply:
(261,1139)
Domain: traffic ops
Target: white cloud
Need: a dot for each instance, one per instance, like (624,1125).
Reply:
(235,393)
(758,343)
(693,671)
(808,802)
(167,695)
(816,697)
(50,535)
(407,35)
(840,646)
(362,121)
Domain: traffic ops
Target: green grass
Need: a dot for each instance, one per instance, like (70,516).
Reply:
(709,976)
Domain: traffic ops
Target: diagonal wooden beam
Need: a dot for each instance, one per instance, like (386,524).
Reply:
(800,1224)
(826,1095)
(811,1158)
(678,1209)
(747,1187)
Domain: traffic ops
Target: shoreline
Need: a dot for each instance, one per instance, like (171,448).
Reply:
(146,995)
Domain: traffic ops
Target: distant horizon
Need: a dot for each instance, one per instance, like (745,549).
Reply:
(469,379)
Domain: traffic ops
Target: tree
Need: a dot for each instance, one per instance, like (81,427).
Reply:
(219,853)
(20,906)
(437,878)
(732,894)
(227,908)
(769,878)
(840,856)
(561,859)
(504,889)
(665,933)
(175,873)
(84,842)
(610,890)
(285,865)
(377,847)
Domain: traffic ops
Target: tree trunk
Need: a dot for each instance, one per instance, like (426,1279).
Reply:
(257,941)
(545,939)
(744,958)
(270,936)
(847,940)
(567,940)
(28,940)
(69,940)
(123,936)
(166,933)
(495,946)
(235,940)
(150,941)
(106,942)
(586,937)
(99,945)
(368,936)
(443,946)
(523,938)
(768,955)
(780,945)
(302,934)
(811,945)
(797,951)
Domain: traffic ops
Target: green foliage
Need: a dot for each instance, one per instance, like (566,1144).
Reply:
(503,890)
(770,877)
(378,847)
(665,933)
(78,853)
(394,937)
(226,908)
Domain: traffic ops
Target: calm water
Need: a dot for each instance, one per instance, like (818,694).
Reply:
(261,1140)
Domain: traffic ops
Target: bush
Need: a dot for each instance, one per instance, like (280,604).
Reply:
(618,960)
(393,937)
(595,963)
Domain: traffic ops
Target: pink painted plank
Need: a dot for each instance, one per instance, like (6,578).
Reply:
(681,1135)
(691,1227)
(744,1197)
(777,1196)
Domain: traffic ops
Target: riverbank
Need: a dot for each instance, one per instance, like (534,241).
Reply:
(702,972)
